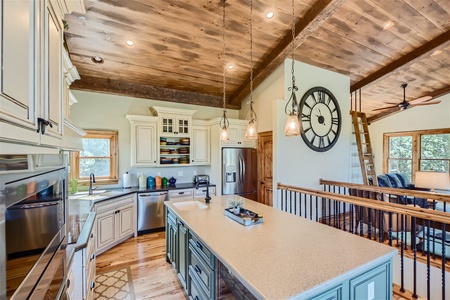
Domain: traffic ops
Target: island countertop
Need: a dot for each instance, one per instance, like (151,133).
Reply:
(284,257)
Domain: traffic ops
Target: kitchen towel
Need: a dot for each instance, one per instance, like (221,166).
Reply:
(126,181)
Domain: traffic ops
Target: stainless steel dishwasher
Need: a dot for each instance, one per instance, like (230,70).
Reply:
(151,211)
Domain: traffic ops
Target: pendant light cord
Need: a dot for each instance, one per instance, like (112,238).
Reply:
(224,123)
(293,88)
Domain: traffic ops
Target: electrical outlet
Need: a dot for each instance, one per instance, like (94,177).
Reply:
(158,174)
(195,173)
(180,173)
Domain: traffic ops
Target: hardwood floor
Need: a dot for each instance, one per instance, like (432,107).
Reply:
(153,277)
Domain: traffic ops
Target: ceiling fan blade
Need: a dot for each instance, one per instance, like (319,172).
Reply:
(421,99)
(392,103)
(426,103)
(387,107)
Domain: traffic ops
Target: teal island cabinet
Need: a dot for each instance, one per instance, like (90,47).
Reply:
(285,257)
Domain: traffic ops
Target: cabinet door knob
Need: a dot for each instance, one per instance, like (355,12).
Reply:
(92,256)
(68,283)
(92,285)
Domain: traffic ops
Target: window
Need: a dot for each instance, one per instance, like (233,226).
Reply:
(99,156)
(408,152)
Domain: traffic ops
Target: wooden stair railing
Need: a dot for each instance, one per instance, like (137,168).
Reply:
(365,152)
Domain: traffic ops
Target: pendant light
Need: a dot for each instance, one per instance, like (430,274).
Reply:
(251,132)
(224,123)
(292,125)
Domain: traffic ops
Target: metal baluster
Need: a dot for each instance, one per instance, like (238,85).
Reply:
(306,208)
(290,203)
(370,223)
(345,216)
(390,228)
(444,238)
(310,207)
(324,221)
(282,199)
(414,248)
(428,258)
(300,206)
(402,270)
(434,240)
(351,218)
(317,209)
(295,203)
(329,212)
(361,218)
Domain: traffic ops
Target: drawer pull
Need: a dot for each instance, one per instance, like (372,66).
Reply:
(196,298)
(181,193)
(68,283)
(92,256)
(92,235)
(92,285)
(199,245)
(197,269)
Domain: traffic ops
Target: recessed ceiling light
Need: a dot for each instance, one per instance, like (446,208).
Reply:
(435,53)
(97,59)
(269,15)
(388,25)
(130,43)
(230,67)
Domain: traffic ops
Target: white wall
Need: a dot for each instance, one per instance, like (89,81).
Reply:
(264,95)
(294,162)
(105,111)
(417,118)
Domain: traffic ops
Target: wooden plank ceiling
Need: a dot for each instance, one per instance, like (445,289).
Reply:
(177,55)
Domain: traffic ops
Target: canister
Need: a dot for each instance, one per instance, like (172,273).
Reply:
(164,181)
(158,181)
(142,182)
(150,182)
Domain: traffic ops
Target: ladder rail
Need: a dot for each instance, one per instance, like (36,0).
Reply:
(365,155)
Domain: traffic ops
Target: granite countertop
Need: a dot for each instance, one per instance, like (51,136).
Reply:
(284,257)
(80,204)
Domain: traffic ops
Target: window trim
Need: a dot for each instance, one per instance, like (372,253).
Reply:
(416,146)
(113,136)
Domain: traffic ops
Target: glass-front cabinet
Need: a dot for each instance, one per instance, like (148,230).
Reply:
(176,126)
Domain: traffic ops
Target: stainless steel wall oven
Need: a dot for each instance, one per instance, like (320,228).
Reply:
(32,234)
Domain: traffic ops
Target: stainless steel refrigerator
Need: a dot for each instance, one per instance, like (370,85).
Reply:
(239,172)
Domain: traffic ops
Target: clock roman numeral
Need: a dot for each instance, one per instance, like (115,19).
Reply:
(306,118)
(335,121)
(321,142)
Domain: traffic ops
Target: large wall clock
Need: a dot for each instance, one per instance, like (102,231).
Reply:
(320,119)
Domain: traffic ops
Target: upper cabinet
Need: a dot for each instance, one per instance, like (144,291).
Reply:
(200,143)
(31,81)
(174,122)
(143,140)
(236,133)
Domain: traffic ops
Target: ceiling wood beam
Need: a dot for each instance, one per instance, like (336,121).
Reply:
(388,112)
(109,86)
(306,26)
(405,61)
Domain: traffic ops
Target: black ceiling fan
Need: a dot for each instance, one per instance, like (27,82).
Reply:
(408,104)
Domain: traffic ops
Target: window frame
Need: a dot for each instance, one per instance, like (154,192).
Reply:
(113,137)
(416,146)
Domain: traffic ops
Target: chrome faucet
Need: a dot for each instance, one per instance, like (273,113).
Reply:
(91,181)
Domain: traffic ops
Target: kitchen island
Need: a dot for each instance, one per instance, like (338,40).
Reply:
(285,257)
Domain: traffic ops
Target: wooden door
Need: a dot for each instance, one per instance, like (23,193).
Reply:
(265,177)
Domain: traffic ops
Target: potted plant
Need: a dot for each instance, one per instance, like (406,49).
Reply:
(235,205)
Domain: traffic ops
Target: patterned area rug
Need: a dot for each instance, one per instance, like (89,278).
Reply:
(115,284)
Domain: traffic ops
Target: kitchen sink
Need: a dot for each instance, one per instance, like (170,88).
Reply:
(86,193)
(190,205)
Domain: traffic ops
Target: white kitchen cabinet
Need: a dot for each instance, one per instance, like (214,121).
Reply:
(174,122)
(181,193)
(31,88)
(201,192)
(115,221)
(143,140)
(20,68)
(236,133)
(200,143)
